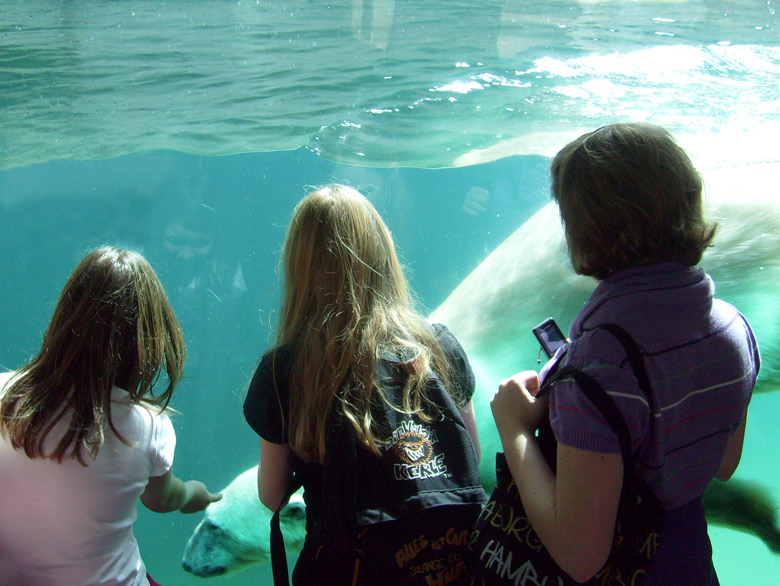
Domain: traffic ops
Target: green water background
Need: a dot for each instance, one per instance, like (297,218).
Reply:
(100,102)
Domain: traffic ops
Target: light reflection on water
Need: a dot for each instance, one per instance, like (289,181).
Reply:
(418,84)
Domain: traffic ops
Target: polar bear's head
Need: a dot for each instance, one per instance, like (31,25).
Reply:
(235,530)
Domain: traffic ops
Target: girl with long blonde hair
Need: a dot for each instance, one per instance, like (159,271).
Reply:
(346,314)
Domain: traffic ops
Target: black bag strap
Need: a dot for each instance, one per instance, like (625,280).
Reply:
(636,358)
(278,553)
(603,402)
(599,397)
(338,513)
(339,483)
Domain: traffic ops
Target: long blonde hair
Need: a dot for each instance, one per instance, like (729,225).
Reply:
(112,325)
(345,298)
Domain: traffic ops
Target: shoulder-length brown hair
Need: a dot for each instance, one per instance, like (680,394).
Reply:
(112,325)
(345,298)
(629,196)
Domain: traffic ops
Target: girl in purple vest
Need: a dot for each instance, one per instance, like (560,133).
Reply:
(631,205)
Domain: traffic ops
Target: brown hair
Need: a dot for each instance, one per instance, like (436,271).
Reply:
(629,196)
(345,297)
(112,325)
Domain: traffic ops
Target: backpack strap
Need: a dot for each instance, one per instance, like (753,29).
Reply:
(337,514)
(278,553)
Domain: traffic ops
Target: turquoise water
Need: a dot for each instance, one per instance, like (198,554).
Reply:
(188,130)
(382,82)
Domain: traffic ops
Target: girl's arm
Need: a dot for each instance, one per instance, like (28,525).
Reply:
(274,473)
(574,512)
(167,493)
(470,421)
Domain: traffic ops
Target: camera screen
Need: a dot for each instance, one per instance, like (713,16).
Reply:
(550,336)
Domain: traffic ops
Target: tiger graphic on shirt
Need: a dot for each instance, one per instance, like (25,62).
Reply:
(413,446)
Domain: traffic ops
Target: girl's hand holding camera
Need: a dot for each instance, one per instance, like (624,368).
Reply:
(515,406)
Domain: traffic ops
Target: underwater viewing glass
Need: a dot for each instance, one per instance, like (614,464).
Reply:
(188,131)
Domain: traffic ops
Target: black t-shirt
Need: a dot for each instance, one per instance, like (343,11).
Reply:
(266,406)
(266,410)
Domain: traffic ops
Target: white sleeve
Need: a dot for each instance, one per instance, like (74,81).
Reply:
(163,444)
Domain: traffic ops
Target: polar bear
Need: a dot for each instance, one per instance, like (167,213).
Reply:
(526,279)
(235,534)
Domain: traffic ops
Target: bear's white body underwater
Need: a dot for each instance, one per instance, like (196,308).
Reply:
(526,279)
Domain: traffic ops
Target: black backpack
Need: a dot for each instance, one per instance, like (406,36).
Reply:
(402,519)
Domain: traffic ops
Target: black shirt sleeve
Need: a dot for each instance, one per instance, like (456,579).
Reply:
(461,376)
(267,402)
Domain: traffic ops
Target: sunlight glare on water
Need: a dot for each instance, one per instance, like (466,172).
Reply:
(352,82)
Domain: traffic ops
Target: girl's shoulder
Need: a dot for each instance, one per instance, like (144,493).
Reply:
(277,359)
(461,374)
(447,340)
(137,413)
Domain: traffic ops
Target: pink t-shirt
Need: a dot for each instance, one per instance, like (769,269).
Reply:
(65,524)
